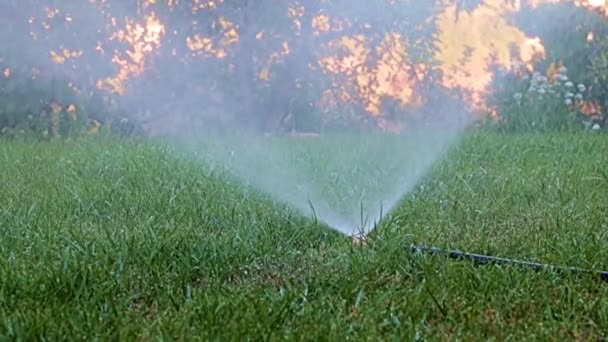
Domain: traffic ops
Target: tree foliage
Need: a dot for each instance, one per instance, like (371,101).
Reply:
(575,71)
(263,65)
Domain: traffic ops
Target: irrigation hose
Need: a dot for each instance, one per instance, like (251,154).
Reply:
(479,259)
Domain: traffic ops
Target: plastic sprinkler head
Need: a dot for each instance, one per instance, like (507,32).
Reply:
(359,240)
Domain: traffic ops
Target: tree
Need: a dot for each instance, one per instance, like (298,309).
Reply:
(263,65)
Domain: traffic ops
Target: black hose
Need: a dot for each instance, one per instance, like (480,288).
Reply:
(479,259)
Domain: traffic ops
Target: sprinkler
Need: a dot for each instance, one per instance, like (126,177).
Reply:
(479,259)
(359,240)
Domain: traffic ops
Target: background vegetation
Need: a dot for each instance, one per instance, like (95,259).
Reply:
(567,89)
(143,67)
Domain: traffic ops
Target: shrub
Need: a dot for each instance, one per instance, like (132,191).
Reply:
(573,36)
(35,106)
(529,101)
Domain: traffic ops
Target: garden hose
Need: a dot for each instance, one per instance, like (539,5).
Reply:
(479,259)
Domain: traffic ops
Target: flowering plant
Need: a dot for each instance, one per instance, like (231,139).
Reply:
(530,100)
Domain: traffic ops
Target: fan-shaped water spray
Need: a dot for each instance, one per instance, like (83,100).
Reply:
(401,67)
(349,182)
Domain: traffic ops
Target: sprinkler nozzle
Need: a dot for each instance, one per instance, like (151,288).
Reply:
(359,240)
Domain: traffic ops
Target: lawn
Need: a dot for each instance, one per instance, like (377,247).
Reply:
(135,240)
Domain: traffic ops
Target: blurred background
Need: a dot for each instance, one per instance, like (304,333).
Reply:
(162,67)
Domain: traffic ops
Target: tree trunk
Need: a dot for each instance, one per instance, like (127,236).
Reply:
(293,82)
(245,68)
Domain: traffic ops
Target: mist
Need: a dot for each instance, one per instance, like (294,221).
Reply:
(289,98)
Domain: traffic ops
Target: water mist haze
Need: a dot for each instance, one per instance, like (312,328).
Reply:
(348,181)
(228,81)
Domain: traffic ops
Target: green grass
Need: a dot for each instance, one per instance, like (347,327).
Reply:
(133,240)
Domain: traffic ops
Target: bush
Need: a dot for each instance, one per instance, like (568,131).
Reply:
(529,101)
(560,98)
(35,106)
